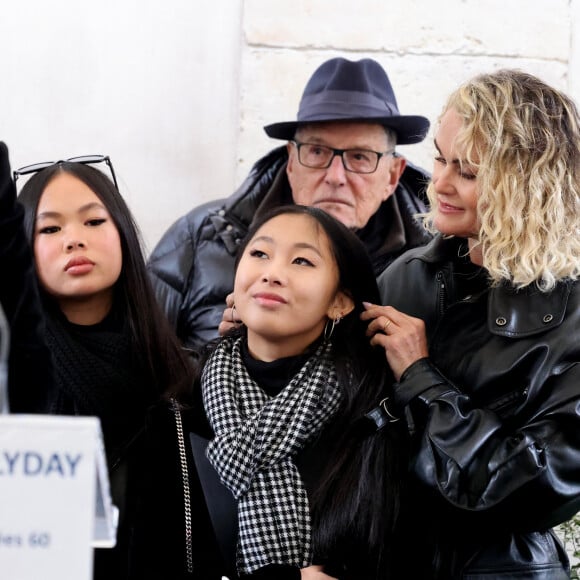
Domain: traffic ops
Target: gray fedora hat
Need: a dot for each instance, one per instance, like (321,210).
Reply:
(358,91)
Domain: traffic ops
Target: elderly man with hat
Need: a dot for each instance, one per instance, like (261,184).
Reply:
(340,157)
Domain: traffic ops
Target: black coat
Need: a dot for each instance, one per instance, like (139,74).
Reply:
(156,508)
(29,364)
(192,267)
(494,416)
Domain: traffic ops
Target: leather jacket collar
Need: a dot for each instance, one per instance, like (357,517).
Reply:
(508,314)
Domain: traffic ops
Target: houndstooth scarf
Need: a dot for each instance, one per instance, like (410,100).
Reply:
(256,439)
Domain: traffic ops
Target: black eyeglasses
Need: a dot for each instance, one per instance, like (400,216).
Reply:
(84,159)
(354,160)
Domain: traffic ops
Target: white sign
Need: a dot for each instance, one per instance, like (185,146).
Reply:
(54,497)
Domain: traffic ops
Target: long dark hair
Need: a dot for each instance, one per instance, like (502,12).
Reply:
(157,348)
(356,503)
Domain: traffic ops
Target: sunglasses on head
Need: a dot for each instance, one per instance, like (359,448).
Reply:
(84,159)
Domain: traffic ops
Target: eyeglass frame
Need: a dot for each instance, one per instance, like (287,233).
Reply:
(83,159)
(340,153)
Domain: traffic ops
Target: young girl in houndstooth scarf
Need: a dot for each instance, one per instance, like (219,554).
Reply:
(292,395)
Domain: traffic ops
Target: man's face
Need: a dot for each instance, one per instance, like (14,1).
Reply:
(352,198)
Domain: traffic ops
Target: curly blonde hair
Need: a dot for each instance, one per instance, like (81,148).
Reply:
(523,138)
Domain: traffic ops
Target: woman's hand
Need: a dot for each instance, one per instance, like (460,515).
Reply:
(314,573)
(229,317)
(403,337)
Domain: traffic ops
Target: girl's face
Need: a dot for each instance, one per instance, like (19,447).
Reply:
(454,182)
(77,249)
(286,287)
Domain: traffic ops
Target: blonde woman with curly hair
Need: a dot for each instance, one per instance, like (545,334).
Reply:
(482,331)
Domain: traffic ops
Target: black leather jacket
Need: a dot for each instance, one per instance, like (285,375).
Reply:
(192,267)
(494,416)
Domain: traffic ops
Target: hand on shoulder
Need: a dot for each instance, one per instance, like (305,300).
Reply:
(229,317)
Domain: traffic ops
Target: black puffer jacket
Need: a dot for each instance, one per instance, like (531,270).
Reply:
(494,414)
(192,267)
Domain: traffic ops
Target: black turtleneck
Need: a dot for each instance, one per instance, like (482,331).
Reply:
(273,376)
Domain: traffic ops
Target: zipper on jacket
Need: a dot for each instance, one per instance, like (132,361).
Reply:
(441,293)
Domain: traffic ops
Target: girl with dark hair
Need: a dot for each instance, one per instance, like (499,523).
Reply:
(115,357)
(292,399)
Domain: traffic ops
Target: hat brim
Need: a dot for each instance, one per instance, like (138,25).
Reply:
(409,128)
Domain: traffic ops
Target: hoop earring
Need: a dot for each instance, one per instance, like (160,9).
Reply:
(329,327)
